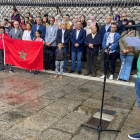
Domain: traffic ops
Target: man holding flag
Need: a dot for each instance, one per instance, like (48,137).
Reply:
(2,35)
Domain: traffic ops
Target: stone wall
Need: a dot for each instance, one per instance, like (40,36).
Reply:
(99,12)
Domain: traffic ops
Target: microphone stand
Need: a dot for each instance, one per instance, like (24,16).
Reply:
(99,129)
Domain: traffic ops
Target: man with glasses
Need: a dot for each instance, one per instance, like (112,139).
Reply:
(16,32)
(109,38)
(122,23)
(50,40)
(105,28)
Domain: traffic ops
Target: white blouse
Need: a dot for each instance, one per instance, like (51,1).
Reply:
(26,35)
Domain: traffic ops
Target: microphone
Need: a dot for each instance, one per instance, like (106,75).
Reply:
(132,26)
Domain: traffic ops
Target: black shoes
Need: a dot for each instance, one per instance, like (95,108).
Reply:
(79,72)
(71,71)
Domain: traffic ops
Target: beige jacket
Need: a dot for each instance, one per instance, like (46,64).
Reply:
(123,44)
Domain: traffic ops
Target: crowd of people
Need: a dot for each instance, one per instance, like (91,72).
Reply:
(83,39)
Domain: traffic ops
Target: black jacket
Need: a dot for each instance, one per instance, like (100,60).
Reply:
(59,54)
(84,24)
(97,41)
(66,37)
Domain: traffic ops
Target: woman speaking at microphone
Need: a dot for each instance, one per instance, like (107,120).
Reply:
(126,56)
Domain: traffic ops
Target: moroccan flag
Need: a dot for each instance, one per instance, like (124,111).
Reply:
(24,54)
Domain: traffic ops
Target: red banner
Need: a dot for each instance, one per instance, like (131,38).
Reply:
(24,54)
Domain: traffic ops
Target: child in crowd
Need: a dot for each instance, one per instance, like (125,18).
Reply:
(2,35)
(37,38)
(60,56)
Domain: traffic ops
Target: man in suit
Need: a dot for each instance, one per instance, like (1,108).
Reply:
(16,32)
(77,38)
(63,36)
(122,23)
(93,42)
(38,26)
(105,28)
(50,40)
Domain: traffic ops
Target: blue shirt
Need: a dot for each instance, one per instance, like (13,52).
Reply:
(107,27)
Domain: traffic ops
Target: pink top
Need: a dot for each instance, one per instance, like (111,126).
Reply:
(40,39)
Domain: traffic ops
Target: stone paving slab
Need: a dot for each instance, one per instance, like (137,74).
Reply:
(89,134)
(133,118)
(52,134)
(60,108)
(44,108)
(125,131)
(30,127)
(71,122)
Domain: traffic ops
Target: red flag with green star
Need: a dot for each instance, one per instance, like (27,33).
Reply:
(24,54)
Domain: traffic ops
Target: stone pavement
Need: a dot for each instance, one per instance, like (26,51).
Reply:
(43,108)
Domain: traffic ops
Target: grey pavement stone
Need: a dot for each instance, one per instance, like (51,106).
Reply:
(30,127)
(125,131)
(98,95)
(133,118)
(52,134)
(35,105)
(71,122)
(56,94)
(90,134)
(76,96)
(60,108)
(93,103)
(47,108)
(4,126)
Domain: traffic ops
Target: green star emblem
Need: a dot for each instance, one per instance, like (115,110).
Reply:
(22,54)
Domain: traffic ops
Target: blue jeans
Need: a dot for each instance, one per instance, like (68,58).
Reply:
(77,55)
(59,66)
(126,69)
(65,60)
(137,88)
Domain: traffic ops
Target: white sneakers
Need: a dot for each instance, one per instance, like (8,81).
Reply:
(102,77)
(110,77)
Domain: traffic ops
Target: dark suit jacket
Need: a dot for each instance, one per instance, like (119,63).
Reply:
(66,37)
(103,31)
(97,41)
(41,28)
(80,40)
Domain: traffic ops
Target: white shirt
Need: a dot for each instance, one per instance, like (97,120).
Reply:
(28,37)
(63,31)
(110,39)
(51,28)
(15,30)
(77,33)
